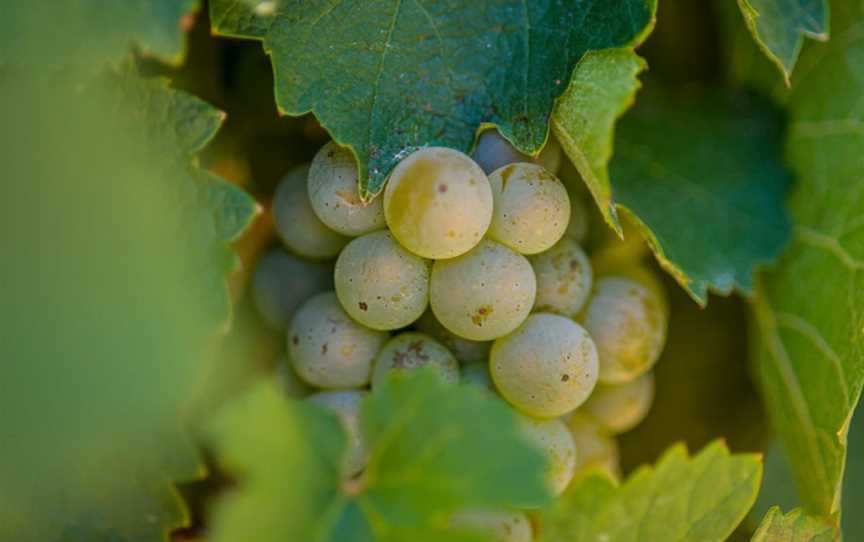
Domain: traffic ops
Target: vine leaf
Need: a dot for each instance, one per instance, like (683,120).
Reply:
(421,433)
(779,27)
(795,526)
(681,498)
(389,76)
(112,303)
(809,309)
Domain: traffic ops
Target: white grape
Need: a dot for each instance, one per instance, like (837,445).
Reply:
(333,193)
(531,209)
(628,321)
(465,350)
(476,374)
(499,525)
(598,450)
(483,294)
(328,348)
(438,203)
(282,281)
(494,151)
(408,351)
(621,407)
(564,278)
(288,379)
(346,405)
(547,367)
(297,224)
(556,443)
(380,284)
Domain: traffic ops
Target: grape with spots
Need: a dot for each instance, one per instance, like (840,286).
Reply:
(282,281)
(619,408)
(564,278)
(380,284)
(553,439)
(484,294)
(345,404)
(409,351)
(498,525)
(465,350)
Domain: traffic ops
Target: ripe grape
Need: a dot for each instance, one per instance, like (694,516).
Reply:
(408,351)
(547,367)
(483,294)
(556,443)
(288,379)
(597,449)
(499,525)
(476,374)
(333,193)
(438,203)
(494,151)
(328,348)
(564,278)
(627,320)
(297,224)
(282,281)
(380,284)
(464,350)
(346,405)
(621,407)
(531,208)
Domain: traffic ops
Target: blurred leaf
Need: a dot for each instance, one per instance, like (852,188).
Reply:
(779,27)
(603,86)
(809,351)
(421,434)
(681,498)
(795,526)
(387,77)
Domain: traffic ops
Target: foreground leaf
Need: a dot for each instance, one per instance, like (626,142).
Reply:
(423,436)
(795,526)
(387,77)
(810,309)
(681,498)
(779,27)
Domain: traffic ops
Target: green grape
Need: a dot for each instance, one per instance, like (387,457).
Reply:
(346,405)
(408,351)
(465,350)
(494,151)
(531,208)
(483,294)
(297,224)
(380,284)
(564,278)
(328,348)
(580,219)
(621,407)
(628,321)
(556,443)
(438,203)
(499,525)
(597,449)
(281,282)
(476,374)
(547,367)
(288,379)
(334,197)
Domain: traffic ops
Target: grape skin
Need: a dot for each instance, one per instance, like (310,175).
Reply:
(438,203)
(328,348)
(483,294)
(465,350)
(564,277)
(619,408)
(546,368)
(556,443)
(499,524)
(334,197)
(281,282)
(531,208)
(628,322)
(494,151)
(296,223)
(346,405)
(409,351)
(597,449)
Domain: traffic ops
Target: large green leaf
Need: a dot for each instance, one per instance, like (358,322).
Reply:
(681,498)
(779,27)
(810,308)
(796,526)
(434,448)
(111,302)
(386,76)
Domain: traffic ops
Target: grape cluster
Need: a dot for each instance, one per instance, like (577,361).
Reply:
(475,268)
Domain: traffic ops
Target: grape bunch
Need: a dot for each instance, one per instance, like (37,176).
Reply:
(474,267)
